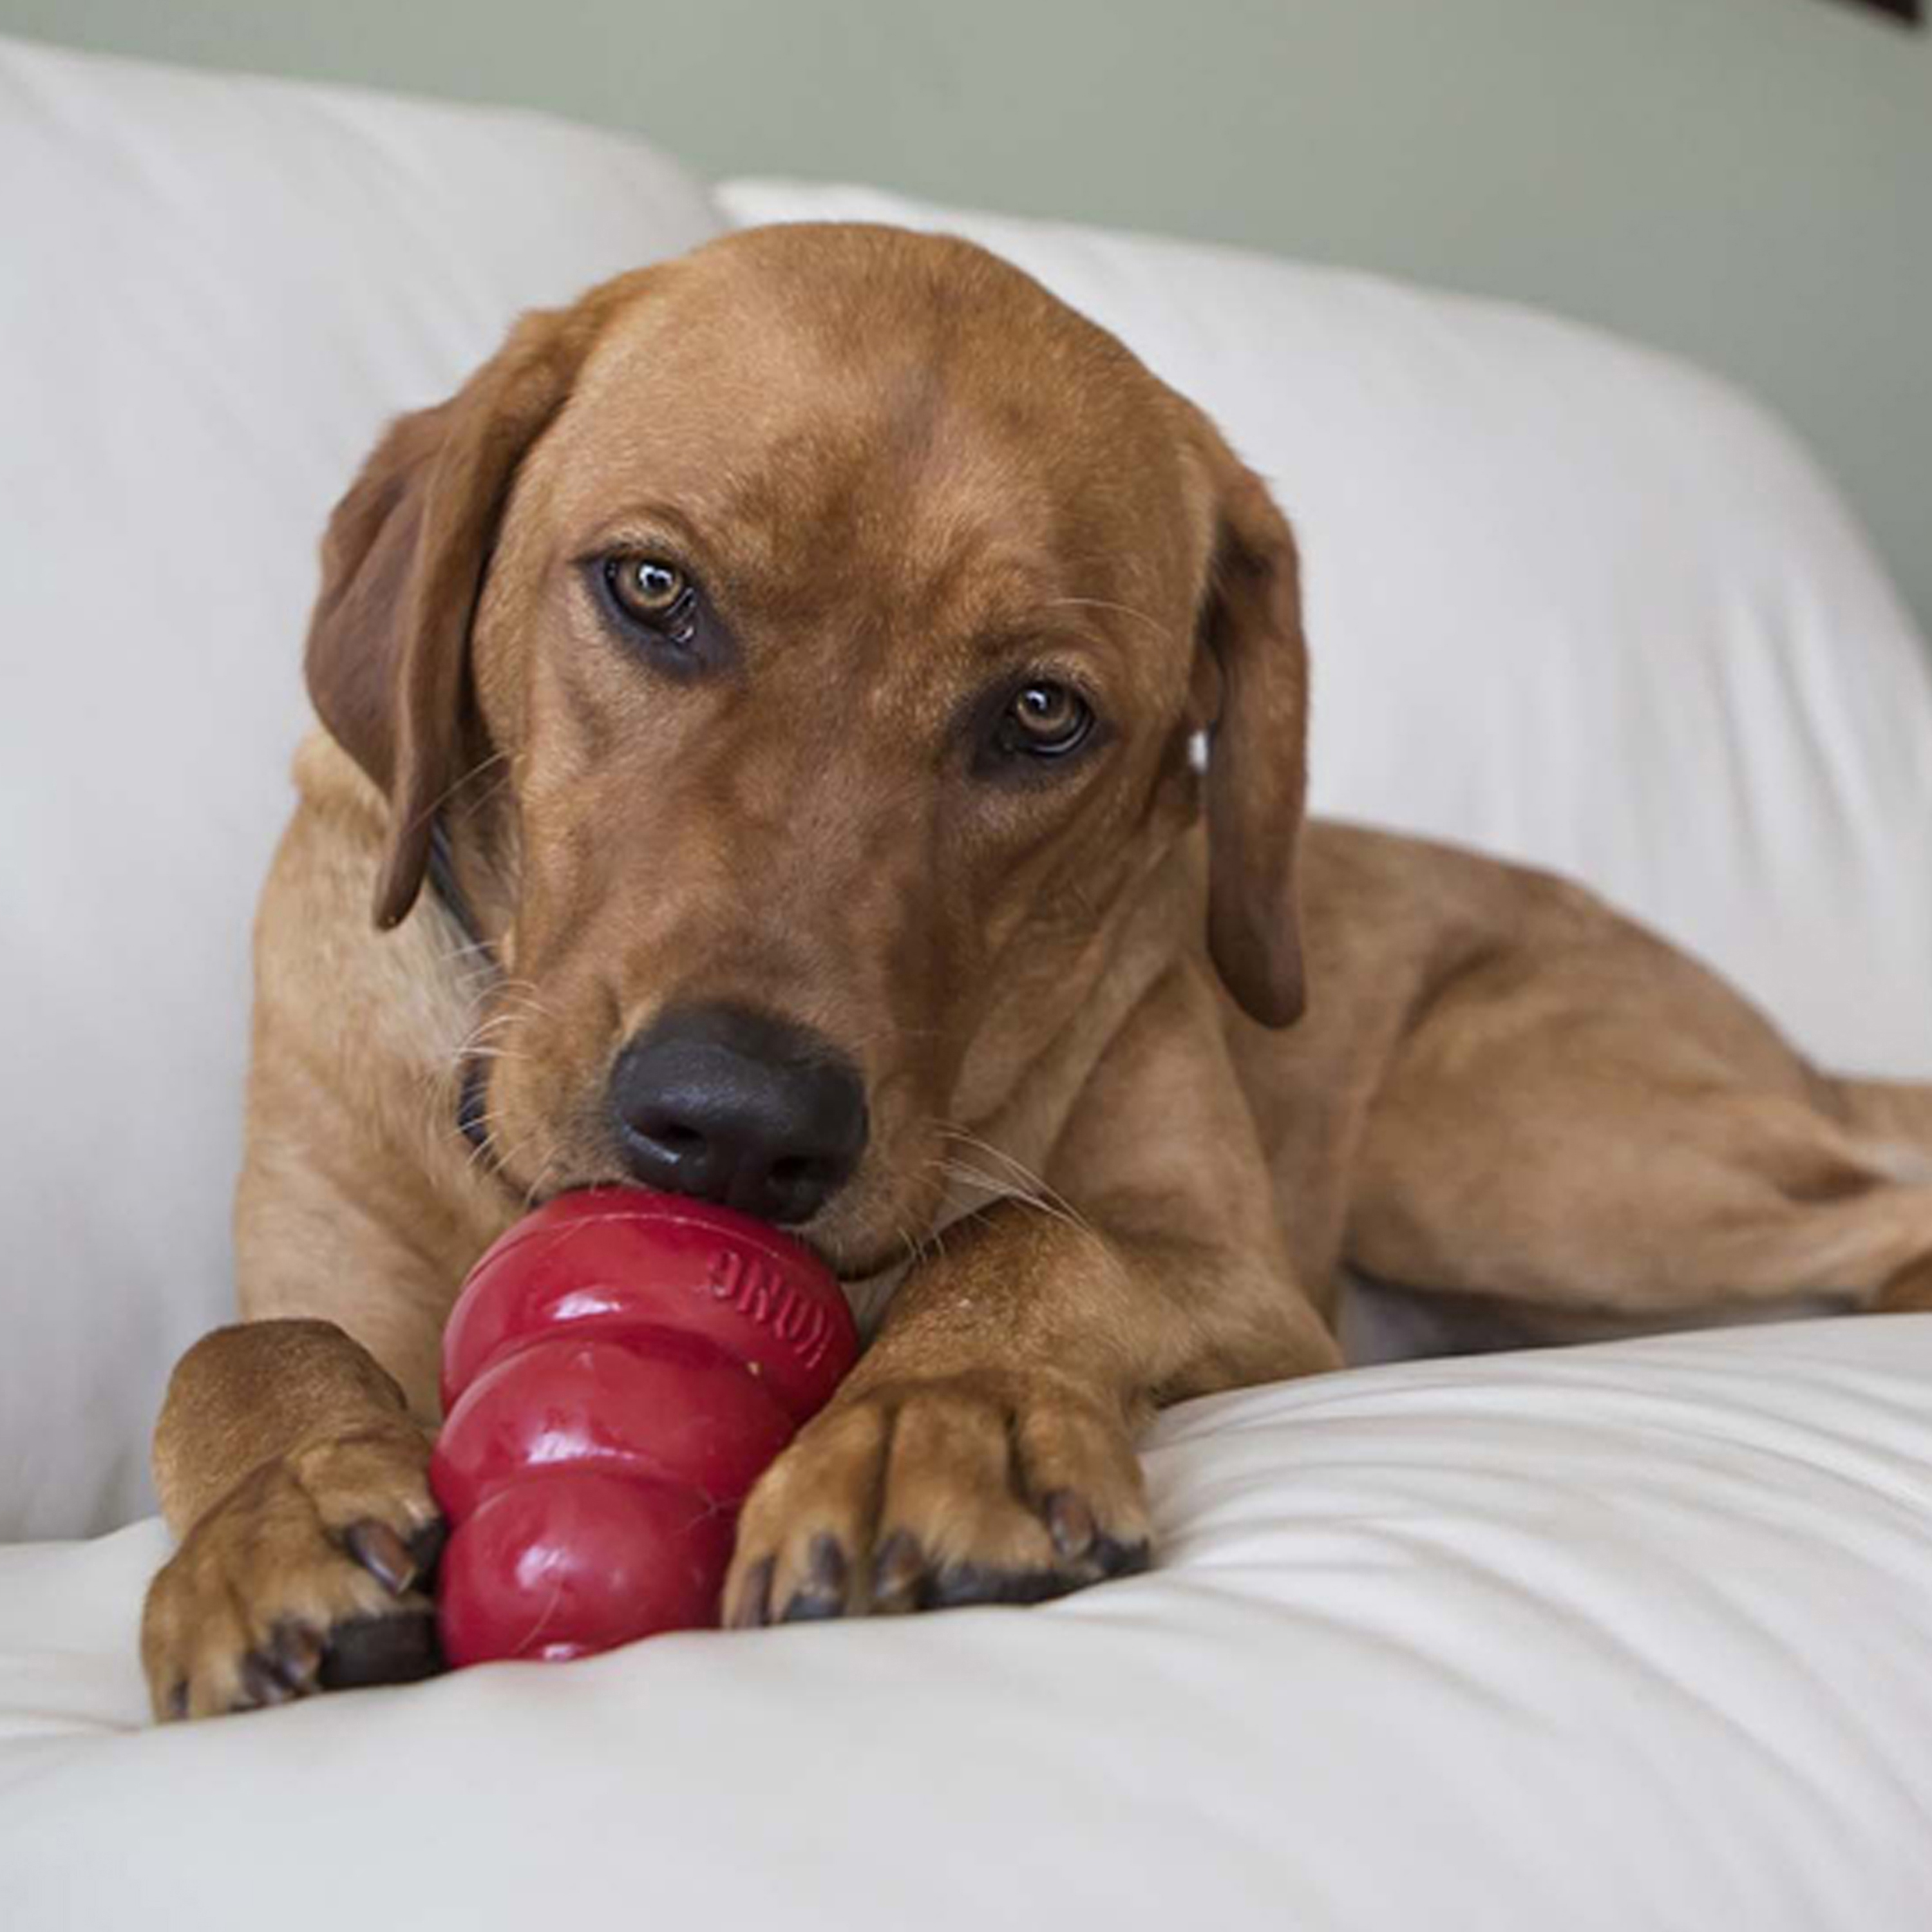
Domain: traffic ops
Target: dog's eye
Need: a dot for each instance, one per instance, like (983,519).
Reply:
(650,591)
(1044,720)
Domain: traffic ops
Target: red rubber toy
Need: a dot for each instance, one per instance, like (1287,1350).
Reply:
(620,1368)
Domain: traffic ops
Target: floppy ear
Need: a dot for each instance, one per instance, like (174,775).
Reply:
(1251,627)
(402,569)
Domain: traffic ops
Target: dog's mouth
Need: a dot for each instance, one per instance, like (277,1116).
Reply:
(869,1249)
(856,1266)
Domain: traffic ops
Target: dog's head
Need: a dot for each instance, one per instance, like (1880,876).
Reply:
(801,642)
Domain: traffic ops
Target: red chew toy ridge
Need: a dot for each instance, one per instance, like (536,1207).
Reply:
(619,1368)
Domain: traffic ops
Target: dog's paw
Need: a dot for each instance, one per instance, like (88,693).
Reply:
(312,1574)
(920,1495)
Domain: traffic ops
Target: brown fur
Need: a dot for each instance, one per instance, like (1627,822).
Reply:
(905,476)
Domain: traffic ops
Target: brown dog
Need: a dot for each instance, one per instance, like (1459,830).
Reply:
(783,665)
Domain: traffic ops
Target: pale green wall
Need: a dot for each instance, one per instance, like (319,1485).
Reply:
(1748,181)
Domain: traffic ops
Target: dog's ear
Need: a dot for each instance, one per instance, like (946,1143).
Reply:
(1256,783)
(402,569)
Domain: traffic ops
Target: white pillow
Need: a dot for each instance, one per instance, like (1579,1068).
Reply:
(1570,601)
(1609,1639)
(216,291)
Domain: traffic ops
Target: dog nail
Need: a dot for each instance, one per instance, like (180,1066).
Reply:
(382,1553)
(1070,1523)
(425,1547)
(965,1583)
(753,1608)
(825,1567)
(177,1700)
(261,1683)
(296,1654)
(822,1595)
(400,1648)
(1123,1559)
(896,1570)
(810,1606)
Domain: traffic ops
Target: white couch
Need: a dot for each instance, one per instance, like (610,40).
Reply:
(1630,1636)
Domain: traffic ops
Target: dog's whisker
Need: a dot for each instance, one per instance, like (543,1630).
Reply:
(535,1187)
(507,1160)
(513,1005)
(499,1023)
(1037,1183)
(495,1023)
(470,952)
(996,1187)
(490,1117)
(1103,604)
(935,1244)
(509,988)
(500,784)
(482,1146)
(468,777)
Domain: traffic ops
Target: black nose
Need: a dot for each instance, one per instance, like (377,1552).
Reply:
(738,1107)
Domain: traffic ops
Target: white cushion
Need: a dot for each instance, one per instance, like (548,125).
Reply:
(1570,601)
(1609,1639)
(216,291)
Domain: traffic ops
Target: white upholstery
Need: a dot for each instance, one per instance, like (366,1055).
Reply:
(216,291)
(1613,1640)
(1622,1638)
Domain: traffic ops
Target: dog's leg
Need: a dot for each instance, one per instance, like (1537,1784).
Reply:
(292,1454)
(289,1466)
(1898,1115)
(1894,1117)
(982,1449)
(1575,1168)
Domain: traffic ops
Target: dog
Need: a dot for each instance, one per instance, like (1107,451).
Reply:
(760,757)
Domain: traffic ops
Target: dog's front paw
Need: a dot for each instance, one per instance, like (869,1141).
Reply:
(989,1488)
(312,1574)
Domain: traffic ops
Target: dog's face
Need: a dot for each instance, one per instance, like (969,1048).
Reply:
(802,640)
